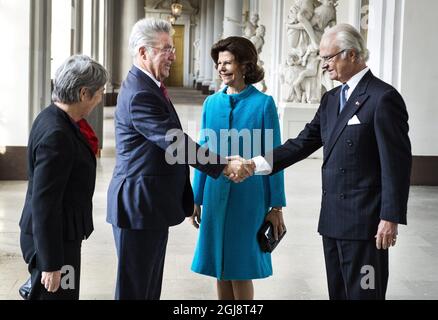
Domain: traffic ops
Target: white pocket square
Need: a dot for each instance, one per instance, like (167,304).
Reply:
(354,120)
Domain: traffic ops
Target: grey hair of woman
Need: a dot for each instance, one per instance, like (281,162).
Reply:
(144,33)
(347,37)
(77,72)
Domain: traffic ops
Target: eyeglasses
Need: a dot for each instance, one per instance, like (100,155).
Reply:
(327,59)
(167,50)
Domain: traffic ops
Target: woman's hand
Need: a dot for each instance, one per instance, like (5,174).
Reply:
(196,216)
(51,280)
(275,216)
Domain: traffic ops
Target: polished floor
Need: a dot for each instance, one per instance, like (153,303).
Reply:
(298,262)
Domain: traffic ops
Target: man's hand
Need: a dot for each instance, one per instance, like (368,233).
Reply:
(275,216)
(386,234)
(238,169)
(51,280)
(196,216)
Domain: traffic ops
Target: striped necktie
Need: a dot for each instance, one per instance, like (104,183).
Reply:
(343,98)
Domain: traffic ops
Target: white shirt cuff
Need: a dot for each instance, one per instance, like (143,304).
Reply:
(262,166)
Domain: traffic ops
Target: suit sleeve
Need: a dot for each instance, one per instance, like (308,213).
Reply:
(200,177)
(391,129)
(299,148)
(156,125)
(276,182)
(53,162)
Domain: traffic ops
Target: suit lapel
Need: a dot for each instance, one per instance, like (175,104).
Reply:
(333,107)
(154,88)
(337,124)
(172,108)
(149,83)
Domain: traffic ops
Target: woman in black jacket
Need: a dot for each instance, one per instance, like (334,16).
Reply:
(57,213)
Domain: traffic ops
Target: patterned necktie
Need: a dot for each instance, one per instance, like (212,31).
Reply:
(164,90)
(343,98)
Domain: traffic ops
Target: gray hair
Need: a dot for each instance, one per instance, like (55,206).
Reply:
(347,37)
(75,73)
(144,33)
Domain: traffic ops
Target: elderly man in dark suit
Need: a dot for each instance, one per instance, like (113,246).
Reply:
(363,128)
(150,189)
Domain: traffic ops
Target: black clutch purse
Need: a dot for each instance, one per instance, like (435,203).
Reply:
(265,237)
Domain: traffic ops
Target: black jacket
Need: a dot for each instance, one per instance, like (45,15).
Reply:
(62,174)
(366,168)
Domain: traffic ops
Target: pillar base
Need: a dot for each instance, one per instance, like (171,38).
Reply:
(424,171)
(110,99)
(13,163)
(206,89)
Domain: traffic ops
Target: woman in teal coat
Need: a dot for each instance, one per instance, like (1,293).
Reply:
(238,120)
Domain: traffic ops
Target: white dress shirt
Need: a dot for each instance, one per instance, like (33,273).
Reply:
(158,83)
(354,81)
(262,166)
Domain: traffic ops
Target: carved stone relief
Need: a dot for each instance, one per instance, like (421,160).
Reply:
(258,39)
(303,79)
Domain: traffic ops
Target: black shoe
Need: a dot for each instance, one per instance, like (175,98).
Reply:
(24,290)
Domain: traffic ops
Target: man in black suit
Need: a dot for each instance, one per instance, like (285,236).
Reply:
(57,213)
(362,126)
(150,189)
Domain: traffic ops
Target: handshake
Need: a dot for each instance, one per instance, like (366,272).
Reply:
(238,168)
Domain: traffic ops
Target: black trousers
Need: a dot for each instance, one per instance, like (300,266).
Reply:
(141,256)
(356,270)
(70,280)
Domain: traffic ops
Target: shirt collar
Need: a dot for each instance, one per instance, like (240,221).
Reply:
(354,80)
(158,83)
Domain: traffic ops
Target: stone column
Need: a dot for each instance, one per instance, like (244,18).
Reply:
(277,43)
(217,35)
(108,49)
(127,13)
(218,29)
(96,116)
(208,64)
(253,7)
(233,18)
(194,36)
(76,21)
(202,46)
(39,62)
(95,18)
